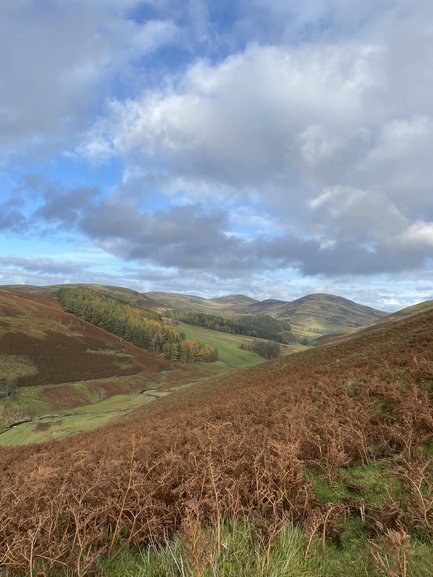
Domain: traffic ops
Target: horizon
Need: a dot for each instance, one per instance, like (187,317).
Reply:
(213,296)
(247,147)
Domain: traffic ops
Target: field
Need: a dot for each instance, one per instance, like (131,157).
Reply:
(74,421)
(230,355)
(315,464)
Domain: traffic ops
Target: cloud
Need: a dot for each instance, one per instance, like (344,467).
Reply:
(11,218)
(43,265)
(66,207)
(319,137)
(276,137)
(58,61)
(238,123)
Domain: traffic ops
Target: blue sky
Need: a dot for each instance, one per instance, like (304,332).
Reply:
(265,147)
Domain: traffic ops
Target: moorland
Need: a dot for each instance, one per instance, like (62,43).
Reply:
(316,463)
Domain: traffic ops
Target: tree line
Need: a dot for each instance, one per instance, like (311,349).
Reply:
(142,327)
(259,326)
(266,349)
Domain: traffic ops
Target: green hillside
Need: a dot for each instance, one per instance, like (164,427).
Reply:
(319,314)
(230,355)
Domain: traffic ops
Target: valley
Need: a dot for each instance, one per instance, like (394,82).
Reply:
(228,465)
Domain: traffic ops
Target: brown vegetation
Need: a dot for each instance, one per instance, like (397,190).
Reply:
(236,446)
(62,348)
(63,397)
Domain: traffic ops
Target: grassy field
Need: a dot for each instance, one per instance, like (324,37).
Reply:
(85,418)
(230,355)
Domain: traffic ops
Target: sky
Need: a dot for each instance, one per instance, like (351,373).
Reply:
(274,148)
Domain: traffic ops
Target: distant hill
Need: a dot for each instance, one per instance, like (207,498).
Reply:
(310,316)
(389,320)
(320,313)
(125,294)
(224,306)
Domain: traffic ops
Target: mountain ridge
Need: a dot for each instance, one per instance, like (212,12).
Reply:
(311,315)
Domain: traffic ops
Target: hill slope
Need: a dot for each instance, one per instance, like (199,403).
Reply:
(41,344)
(223,306)
(326,438)
(121,293)
(387,321)
(312,315)
(320,313)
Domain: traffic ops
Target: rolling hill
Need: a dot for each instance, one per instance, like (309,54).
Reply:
(55,363)
(121,293)
(388,321)
(312,315)
(320,313)
(331,446)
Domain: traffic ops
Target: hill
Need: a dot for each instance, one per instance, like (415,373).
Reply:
(311,316)
(327,450)
(121,293)
(387,321)
(223,306)
(41,344)
(320,313)
(51,362)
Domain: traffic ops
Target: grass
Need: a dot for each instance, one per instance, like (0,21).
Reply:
(231,356)
(85,418)
(241,551)
(369,484)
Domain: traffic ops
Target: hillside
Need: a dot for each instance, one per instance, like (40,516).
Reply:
(224,306)
(320,313)
(333,442)
(311,316)
(52,363)
(57,364)
(41,344)
(384,322)
(124,294)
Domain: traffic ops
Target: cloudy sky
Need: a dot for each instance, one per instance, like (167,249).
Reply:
(270,147)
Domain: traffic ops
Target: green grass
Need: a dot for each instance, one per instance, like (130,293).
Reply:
(86,418)
(243,552)
(231,356)
(369,484)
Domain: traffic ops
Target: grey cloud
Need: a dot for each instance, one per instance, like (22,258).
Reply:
(11,218)
(43,265)
(58,60)
(67,207)
(186,237)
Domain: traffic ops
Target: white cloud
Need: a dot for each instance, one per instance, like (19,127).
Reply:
(58,60)
(248,121)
